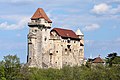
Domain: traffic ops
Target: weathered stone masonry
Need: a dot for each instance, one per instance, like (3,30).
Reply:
(53,48)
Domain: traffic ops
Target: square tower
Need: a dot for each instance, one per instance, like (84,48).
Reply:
(38,37)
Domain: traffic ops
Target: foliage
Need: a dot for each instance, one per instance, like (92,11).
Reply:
(116,60)
(2,73)
(113,59)
(76,73)
(11,69)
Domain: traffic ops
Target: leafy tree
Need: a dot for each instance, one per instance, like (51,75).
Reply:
(12,67)
(116,60)
(110,58)
(2,72)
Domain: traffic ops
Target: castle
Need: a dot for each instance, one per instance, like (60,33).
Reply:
(53,48)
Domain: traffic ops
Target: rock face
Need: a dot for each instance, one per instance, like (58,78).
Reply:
(52,48)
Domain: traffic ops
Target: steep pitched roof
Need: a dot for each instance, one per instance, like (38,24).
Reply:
(65,33)
(78,32)
(98,60)
(40,14)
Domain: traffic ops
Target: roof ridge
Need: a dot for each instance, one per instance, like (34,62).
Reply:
(66,33)
(63,29)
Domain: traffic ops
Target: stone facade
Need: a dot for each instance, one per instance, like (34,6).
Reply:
(53,48)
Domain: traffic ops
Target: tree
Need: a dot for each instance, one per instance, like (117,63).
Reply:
(110,58)
(12,67)
(116,60)
(2,72)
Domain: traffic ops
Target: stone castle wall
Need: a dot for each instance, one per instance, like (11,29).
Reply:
(46,50)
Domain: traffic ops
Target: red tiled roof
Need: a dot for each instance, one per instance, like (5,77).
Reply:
(40,14)
(65,33)
(98,60)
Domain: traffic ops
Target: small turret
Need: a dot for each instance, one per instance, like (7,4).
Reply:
(79,33)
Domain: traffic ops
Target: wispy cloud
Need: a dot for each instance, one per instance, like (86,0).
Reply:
(104,8)
(20,25)
(101,8)
(91,27)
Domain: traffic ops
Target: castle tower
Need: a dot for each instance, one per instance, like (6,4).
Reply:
(81,36)
(38,37)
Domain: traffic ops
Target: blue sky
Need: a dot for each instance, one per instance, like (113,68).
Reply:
(99,20)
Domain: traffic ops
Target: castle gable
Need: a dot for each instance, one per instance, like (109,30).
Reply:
(65,33)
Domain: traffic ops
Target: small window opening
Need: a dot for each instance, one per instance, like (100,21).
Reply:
(70,50)
(74,41)
(68,46)
(65,49)
(45,29)
(36,20)
(68,41)
(30,39)
(51,54)
(65,62)
(81,44)
(45,38)
(35,30)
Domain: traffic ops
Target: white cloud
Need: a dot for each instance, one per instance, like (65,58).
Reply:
(14,17)
(115,10)
(91,27)
(89,42)
(104,8)
(20,25)
(101,8)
